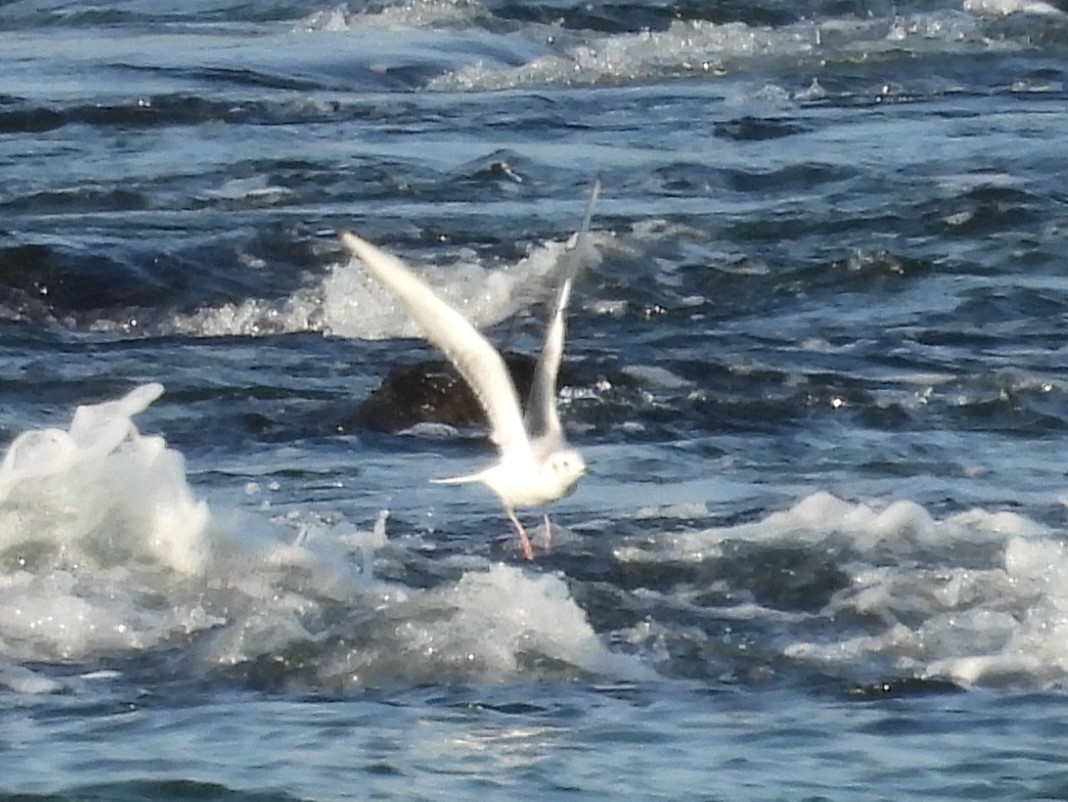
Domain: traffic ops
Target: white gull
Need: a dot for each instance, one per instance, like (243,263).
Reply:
(536,465)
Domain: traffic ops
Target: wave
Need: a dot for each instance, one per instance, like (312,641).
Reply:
(464,45)
(691,48)
(107,556)
(406,14)
(975,598)
(345,303)
(508,46)
(458,45)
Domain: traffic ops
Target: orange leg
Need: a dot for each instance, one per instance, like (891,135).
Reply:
(524,541)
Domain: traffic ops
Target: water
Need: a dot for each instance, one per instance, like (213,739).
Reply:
(816,360)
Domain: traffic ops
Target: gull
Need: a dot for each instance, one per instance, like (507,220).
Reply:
(536,465)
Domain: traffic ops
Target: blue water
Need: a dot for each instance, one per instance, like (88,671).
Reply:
(816,361)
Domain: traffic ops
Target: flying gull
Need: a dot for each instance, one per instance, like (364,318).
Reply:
(536,463)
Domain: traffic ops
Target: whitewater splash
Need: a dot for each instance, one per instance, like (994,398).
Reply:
(701,47)
(106,554)
(347,304)
(408,14)
(977,598)
(100,493)
(553,54)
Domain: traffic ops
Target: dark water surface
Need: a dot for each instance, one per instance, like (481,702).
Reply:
(816,360)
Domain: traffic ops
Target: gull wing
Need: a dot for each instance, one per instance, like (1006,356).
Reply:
(475,359)
(541,419)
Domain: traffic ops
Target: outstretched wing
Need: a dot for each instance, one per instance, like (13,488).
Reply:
(542,422)
(475,359)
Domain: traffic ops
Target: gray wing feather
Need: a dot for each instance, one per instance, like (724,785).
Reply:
(542,421)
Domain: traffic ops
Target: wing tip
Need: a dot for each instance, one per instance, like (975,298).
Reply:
(355,244)
(384,266)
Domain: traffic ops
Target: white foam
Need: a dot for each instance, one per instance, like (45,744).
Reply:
(686,47)
(105,551)
(409,14)
(83,511)
(347,303)
(1006,7)
(332,20)
(255,188)
(691,509)
(978,597)
(494,625)
(23,680)
(100,492)
(657,375)
(701,47)
(821,517)
(506,611)
(357,306)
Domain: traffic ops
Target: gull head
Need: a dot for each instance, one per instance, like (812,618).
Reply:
(562,469)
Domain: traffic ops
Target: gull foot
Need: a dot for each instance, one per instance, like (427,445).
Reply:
(524,541)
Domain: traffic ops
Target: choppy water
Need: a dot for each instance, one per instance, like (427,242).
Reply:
(817,363)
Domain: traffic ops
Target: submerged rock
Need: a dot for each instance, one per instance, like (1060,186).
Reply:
(431,392)
(903,686)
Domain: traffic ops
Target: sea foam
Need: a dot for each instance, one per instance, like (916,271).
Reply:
(106,553)
(977,597)
(347,303)
(702,47)
(91,518)
(100,493)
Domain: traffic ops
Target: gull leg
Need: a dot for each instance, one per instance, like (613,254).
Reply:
(548,533)
(524,541)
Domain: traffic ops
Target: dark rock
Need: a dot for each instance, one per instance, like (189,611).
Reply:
(902,686)
(431,391)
